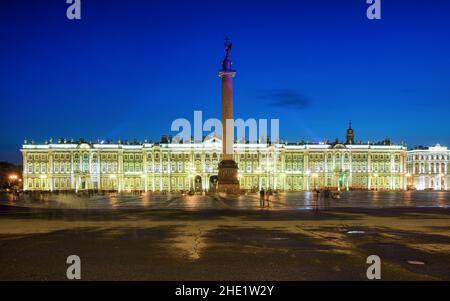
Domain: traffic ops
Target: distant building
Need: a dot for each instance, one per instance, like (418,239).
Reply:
(170,166)
(428,168)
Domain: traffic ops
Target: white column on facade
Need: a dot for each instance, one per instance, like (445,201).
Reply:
(169,163)
(25,171)
(307,182)
(350,184)
(369,170)
(274,171)
(99,171)
(307,171)
(50,178)
(391,167)
(72,186)
(145,170)
(153,172)
(88,181)
(119,170)
(161,171)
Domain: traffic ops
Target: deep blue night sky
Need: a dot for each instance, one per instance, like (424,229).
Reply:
(128,68)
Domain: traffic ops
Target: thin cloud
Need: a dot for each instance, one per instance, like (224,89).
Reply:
(286,98)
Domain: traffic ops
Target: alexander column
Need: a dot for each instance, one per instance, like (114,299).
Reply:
(228,169)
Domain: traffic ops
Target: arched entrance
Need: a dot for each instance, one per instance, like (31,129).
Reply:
(198,183)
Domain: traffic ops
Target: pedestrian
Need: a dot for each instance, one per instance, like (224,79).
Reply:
(262,194)
(269,193)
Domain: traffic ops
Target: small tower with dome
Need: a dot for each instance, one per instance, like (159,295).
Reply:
(350,134)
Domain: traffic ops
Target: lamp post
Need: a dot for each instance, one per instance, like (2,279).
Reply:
(12,180)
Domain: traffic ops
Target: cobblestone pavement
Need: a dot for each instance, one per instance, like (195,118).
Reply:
(280,201)
(224,244)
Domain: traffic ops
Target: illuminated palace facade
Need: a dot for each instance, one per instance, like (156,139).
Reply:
(169,166)
(429,168)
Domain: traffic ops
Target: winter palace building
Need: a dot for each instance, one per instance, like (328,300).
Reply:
(167,166)
(429,168)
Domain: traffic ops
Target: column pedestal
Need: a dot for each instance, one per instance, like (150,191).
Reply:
(228,177)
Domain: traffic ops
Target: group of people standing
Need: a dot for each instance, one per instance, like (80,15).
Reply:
(264,197)
(327,194)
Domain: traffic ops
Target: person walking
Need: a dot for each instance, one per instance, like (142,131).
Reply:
(269,193)
(262,195)
(316,201)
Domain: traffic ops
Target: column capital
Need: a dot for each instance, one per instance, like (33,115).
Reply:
(227,74)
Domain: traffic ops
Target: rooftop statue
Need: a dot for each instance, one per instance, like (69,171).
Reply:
(226,64)
(227,48)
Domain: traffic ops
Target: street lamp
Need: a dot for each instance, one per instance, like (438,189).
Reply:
(12,179)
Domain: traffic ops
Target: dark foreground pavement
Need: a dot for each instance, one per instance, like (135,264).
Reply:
(413,243)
